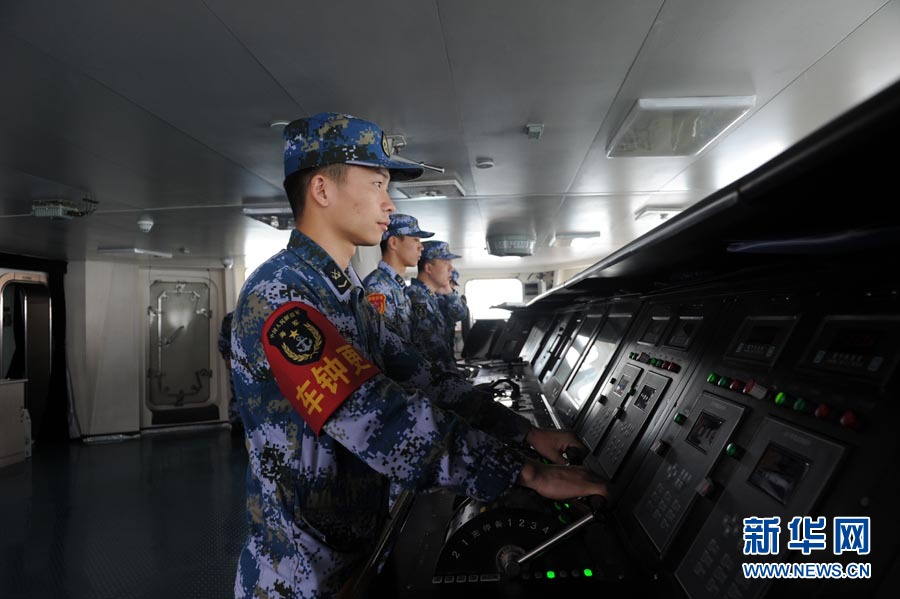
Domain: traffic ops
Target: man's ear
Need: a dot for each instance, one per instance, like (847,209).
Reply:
(319,187)
(393,242)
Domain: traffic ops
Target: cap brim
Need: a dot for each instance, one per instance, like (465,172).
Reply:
(422,234)
(401,169)
(450,257)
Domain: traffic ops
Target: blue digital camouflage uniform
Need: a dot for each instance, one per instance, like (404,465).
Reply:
(385,288)
(428,325)
(315,504)
(386,291)
(454,310)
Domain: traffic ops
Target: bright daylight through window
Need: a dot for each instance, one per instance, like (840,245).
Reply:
(481,294)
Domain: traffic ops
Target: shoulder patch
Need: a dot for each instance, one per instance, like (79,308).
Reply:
(378,301)
(315,367)
(420,310)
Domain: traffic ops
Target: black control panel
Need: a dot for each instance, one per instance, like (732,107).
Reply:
(702,411)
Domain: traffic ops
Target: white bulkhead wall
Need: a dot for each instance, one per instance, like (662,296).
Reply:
(107,338)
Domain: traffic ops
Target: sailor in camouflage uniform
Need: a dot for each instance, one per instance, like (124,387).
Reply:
(385,287)
(453,308)
(327,430)
(429,324)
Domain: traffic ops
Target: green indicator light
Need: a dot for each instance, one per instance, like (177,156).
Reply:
(567,505)
(551,574)
(562,519)
(712,378)
(780,398)
(731,449)
(800,405)
(588,572)
(724,381)
(557,506)
(680,418)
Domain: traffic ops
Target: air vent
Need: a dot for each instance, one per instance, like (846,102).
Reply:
(429,190)
(510,245)
(62,209)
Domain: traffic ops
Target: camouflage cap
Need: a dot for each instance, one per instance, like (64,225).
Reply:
(437,250)
(333,138)
(404,224)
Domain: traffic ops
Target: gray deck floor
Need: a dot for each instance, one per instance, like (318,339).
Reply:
(160,516)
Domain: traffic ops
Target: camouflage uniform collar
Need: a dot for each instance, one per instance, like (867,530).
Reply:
(312,253)
(417,283)
(393,274)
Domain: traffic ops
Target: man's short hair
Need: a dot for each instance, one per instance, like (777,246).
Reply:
(384,243)
(421,264)
(297,184)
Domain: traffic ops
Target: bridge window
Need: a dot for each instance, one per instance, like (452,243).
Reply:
(481,294)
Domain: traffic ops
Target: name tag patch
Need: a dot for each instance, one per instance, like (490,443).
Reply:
(315,367)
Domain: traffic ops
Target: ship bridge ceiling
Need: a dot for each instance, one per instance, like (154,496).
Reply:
(164,109)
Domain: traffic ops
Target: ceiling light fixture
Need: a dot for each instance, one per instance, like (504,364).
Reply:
(661,127)
(575,239)
(650,211)
(429,190)
(484,162)
(132,251)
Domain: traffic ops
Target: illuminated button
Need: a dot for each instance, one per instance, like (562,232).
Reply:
(724,381)
(712,378)
(823,411)
(557,506)
(551,574)
(801,406)
(566,505)
(588,572)
(849,419)
(673,367)
(731,450)
(780,398)
(679,418)
(736,385)
(754,390)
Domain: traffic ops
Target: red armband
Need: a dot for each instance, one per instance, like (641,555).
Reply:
(315,367)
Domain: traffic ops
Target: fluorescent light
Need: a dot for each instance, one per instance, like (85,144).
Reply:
(663,127)
(649,212)
(270,210)
(131,251)
(575,239)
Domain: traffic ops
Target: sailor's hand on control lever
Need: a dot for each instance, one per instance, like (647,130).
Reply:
(561,482)
(552,443)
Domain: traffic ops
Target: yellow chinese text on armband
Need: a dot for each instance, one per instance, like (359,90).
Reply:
(315,367)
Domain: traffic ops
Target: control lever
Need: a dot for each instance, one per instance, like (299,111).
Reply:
(510,558)
(514,387)
(575,456)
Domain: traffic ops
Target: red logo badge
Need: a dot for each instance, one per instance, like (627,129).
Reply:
(379,301)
